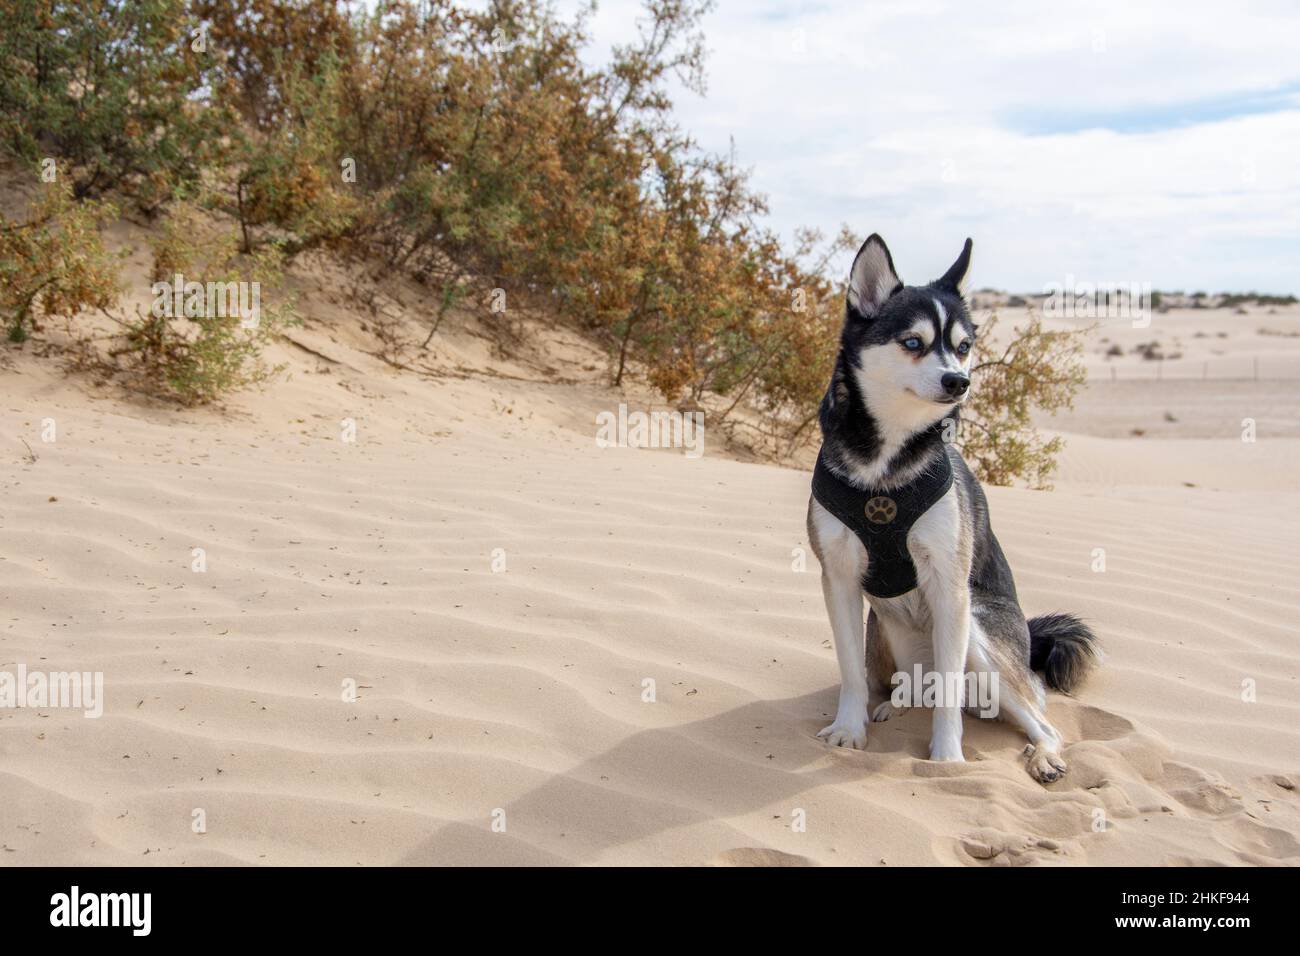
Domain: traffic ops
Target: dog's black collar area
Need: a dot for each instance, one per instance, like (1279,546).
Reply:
(882,519)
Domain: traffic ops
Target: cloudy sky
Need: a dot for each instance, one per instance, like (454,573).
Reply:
(1108,141)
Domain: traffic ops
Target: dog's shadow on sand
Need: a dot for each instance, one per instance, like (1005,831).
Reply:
(755,756)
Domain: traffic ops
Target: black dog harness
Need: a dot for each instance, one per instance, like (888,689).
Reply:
(882,519)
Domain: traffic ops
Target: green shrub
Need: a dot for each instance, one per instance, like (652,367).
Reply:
(111,88)
(488,152)
(1040,369)
(197,353)
(53,262)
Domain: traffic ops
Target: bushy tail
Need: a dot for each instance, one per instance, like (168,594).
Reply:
(1063,649)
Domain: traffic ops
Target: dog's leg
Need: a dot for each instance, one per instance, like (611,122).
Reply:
(844,607)
(843,560)
(1044,750)
(1020,699)
(950,608)
(942,554)
(880,671)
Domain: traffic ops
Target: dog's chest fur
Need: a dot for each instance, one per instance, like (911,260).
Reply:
(938,547)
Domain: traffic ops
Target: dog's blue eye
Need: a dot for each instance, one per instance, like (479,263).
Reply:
(912,344)
(963,348)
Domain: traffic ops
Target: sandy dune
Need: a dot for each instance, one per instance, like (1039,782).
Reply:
(517,695)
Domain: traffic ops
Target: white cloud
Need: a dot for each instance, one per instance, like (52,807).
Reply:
(931,121)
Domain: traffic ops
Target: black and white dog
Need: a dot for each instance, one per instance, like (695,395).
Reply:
(896,513)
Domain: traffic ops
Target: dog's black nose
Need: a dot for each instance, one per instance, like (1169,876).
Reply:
(955,384)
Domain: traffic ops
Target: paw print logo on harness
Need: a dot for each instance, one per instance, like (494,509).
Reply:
(880,510)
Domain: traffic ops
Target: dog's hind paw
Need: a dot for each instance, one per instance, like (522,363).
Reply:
(1045,766)
(845,735)
(884,711)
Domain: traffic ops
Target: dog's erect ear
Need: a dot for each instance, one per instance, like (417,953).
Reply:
(955,278)
(872,279)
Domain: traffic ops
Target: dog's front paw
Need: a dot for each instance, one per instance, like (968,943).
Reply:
(946,751)
(848,734)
